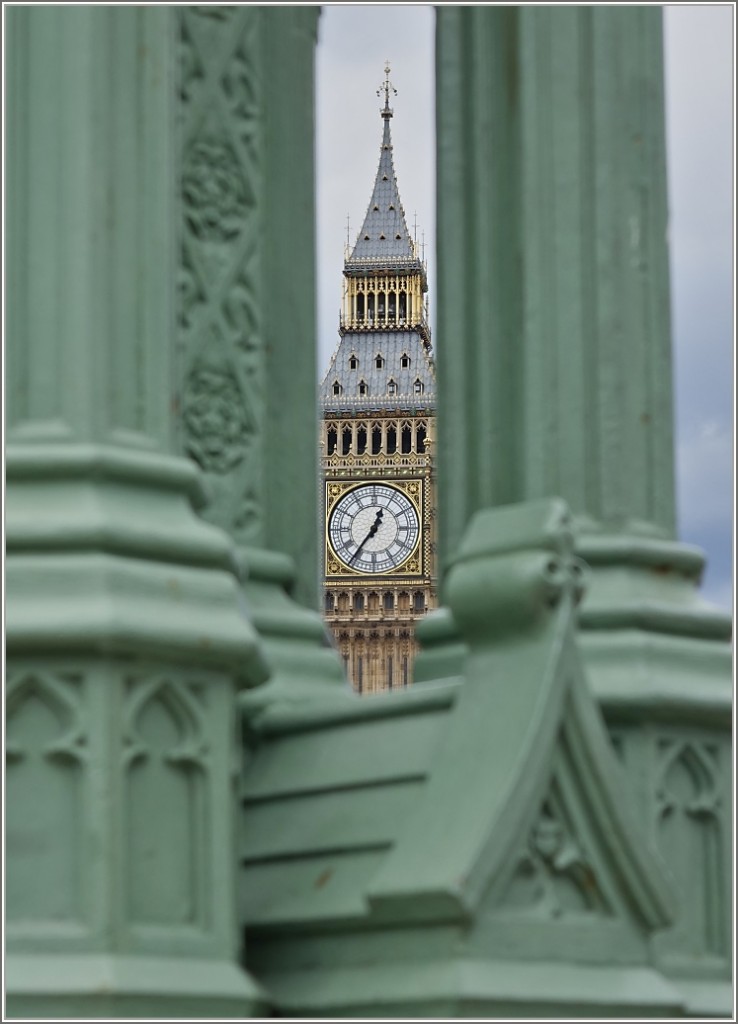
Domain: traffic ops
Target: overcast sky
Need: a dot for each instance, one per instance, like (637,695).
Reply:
(355,40)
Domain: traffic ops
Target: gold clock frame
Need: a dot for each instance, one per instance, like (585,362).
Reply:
(412,567)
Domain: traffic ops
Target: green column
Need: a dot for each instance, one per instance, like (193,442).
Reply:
(555,378)
(246,371)
(126,642)
(553,283)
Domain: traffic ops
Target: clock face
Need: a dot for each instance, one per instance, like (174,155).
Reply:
(373,528)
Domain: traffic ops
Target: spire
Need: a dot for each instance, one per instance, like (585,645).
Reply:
(384,235)
(386,87)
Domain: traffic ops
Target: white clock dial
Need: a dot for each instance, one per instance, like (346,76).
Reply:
(373,528)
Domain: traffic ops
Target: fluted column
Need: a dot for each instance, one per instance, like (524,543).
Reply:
(554,265)
(126,642)
(555,378)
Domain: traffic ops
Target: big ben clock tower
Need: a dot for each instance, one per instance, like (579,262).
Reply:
(377,430)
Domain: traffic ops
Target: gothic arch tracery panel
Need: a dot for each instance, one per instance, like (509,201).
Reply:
(690,834)
(165,768)
(47,756)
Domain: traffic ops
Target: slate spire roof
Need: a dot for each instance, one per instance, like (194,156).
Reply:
(385,365)
(384,235)
(405,378)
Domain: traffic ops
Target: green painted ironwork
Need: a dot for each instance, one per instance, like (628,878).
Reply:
(489,863)
(542,826)
(126,645)
(555,378)
(246,313)
(553,274)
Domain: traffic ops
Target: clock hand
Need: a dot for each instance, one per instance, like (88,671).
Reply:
(373,529)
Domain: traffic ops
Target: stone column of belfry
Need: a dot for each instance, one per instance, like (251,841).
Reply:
(378,476)
(555,379)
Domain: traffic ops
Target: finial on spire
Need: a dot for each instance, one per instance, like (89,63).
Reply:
(386,87)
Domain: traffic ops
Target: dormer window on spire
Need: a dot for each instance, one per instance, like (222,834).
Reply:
(353,362)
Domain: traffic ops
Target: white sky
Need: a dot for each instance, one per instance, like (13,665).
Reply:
(354,42)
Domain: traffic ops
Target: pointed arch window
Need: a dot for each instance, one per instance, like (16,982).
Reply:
(361,436)
(391,387)
(420,439)
(332,440)
(336,388)
(418,386)
(404,361)
(360,306)
(379,361)
(363,388)
(353,362)
(406,438)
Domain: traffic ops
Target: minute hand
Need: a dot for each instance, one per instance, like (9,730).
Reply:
(375,526)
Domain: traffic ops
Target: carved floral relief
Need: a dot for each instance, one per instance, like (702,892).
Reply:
(220,302)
